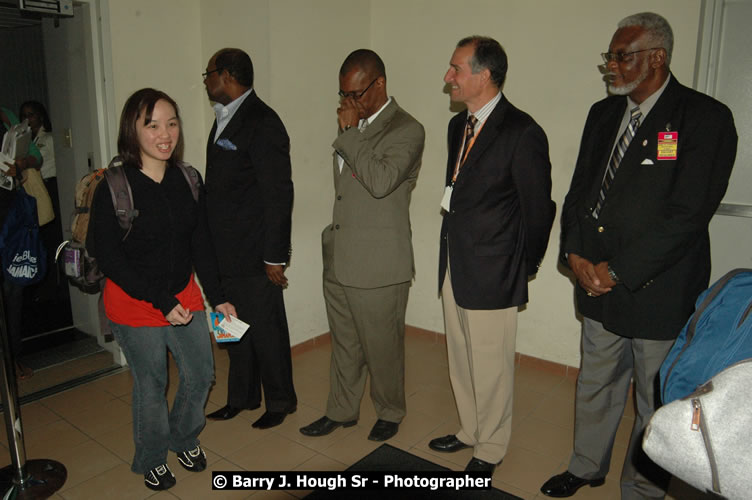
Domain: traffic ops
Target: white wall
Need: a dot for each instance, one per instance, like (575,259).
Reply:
(297,47)
(156,43)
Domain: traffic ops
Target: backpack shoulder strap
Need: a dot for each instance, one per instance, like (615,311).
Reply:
(122,196)
(192,177)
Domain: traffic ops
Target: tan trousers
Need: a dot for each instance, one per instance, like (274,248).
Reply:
(481,347)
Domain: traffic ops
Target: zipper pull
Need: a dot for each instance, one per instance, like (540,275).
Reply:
(696,410)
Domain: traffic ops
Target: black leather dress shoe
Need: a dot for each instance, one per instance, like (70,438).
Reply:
(271,419)
(324,426)
(448,444)
(478,465)
(224,413)
(383,430)
(566,484)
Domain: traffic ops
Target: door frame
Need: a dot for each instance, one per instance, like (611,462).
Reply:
(706,70)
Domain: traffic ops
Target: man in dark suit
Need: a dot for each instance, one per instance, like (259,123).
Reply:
(498,214)
(249,195)
(367,249)
(654,164)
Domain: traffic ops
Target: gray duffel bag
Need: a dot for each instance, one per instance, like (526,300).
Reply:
(705,439)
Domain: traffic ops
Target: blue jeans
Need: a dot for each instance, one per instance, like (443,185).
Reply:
(154,429)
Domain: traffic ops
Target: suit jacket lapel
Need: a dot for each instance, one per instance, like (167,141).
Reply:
(660,116)
(239,117)
(235,124)
(456,130)
(371,130)
(605,136)
(382,120)
(657,120)
(335,169)
(488,134)
(210,140)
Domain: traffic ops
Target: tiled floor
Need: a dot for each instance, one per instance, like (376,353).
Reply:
(88,429)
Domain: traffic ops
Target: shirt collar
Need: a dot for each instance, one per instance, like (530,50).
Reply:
(226,112)
(647,104)
(371,118)
(484,112)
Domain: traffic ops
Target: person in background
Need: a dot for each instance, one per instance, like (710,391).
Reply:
(41,135)
(150,296)
(12,293)
(52,232)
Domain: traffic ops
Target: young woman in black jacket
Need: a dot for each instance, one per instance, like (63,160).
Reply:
(150,295)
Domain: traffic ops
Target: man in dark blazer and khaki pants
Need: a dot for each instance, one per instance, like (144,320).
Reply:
(654,164)
(249,195)
(498,214)
(367,249)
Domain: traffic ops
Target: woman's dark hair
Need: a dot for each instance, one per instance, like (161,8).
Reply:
(39,109)
(142,101)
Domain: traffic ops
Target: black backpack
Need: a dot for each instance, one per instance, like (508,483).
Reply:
(78,261)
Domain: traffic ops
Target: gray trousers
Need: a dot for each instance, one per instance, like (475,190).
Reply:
(368,338)
(609,363)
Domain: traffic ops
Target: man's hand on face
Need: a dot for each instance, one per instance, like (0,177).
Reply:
(349,113)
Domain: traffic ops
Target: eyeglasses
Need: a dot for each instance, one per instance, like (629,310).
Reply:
(623,56)
(356,95)
(204,75)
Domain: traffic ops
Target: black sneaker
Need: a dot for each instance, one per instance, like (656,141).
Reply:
(193,460)
(159,478)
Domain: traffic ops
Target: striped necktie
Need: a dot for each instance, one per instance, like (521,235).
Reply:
(469,133)
(613,165)
(467,139)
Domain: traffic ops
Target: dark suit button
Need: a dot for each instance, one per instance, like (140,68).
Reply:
(337,226)
(339,197)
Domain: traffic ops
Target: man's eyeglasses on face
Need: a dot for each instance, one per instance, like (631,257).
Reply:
(621,57)
(356,95)
(206,74)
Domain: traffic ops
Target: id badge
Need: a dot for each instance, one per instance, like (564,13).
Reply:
(446,200)
(667,145)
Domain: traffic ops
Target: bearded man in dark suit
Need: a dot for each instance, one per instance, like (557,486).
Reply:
(249,195)
(654,164)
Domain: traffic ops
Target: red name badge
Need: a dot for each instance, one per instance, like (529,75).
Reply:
(667,145)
